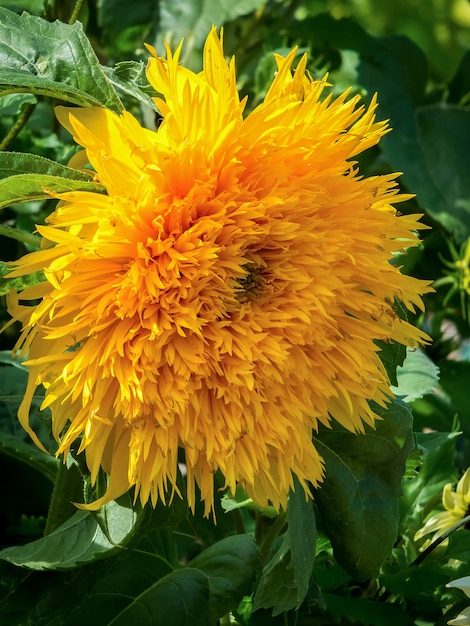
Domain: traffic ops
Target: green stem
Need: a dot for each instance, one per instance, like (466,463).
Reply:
(238,522)
(76,11)
(19,235)
(420,558)
(18,125)
(68,488)
(432,546)
(271,535)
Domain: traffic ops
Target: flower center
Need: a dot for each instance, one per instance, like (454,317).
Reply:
(251,285)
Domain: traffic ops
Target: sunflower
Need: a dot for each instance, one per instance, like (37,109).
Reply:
(226,295)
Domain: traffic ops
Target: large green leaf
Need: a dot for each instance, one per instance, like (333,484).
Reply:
(358,501)
(277,589)
(179,599)
(430,142)
(30,177)
(37,187)
(114,15)
(364,611)
(51,59)
(17,163)
(231,566)
(302,532)
(193,19)
(285,579)
(79,540)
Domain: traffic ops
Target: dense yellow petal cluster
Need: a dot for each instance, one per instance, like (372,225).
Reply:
(225,296)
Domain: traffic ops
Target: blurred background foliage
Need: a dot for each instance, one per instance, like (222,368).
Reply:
(416,55)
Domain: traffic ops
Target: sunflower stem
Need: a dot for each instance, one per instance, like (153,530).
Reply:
(19,235)
(238,522)
(76,11)
(271,535)
(18,125)
(68,488)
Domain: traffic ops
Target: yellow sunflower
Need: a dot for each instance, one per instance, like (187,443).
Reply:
(457,506)
(225,296)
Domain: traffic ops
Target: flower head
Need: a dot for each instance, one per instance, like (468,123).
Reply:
(463,619)
(226,295)
(456,504)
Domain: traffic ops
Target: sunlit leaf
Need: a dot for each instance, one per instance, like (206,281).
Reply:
(51,59)
(17,163)
(417,377)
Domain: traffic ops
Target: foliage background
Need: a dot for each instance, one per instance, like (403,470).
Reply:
(350,556)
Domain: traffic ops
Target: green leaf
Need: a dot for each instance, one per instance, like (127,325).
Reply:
(358,501)
(179,599)
(79,540)
(417,377)
(365,612)
(277,589)
(31,177)
(392,356)
(302,533)
(28,453)
(16,163)
(437,469)
(193,19)
(17,283)
(231,566)
(114,15)
(51,59)
(285,579)
(429,142)
(38,186)
(129,78)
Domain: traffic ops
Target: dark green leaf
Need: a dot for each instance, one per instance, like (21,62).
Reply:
(365,612)
(437,469)
(180,17)
(392,356)
(28,453)
(51,59)
(302,533)
(179,599)
(358,502)
(459,87)
(114,15)
(286,576)
(277,589)
(79,540)
(429,142)
(231,566)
